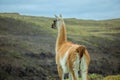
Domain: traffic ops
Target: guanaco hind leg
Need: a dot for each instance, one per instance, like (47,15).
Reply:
(74,70)
(84,68)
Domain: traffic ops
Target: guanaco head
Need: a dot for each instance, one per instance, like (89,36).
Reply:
(57,22)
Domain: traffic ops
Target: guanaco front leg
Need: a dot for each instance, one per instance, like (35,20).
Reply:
(60,72)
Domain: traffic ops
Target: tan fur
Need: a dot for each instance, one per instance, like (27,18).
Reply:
(62,45)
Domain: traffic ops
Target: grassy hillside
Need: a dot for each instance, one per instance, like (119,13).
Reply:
(27,46)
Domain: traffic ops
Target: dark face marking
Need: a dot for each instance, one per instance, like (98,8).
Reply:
(54,24)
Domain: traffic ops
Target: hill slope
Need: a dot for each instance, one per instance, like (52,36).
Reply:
(27,45)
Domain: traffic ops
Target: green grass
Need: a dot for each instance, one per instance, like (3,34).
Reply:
(100,77)
(112,77)
(93,77)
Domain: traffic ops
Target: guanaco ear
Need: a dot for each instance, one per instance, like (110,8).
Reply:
(60,15)
(80,50)
(56,16)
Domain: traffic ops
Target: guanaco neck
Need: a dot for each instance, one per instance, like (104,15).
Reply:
(61,38)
